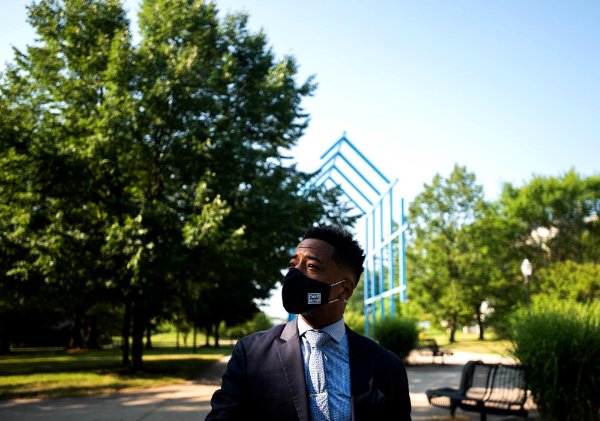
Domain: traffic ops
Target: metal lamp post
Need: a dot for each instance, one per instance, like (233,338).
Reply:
(527,270)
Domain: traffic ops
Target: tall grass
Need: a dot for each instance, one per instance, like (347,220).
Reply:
(561,344)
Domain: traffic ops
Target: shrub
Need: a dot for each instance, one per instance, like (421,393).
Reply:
(355,321)
(398,335)
(561,344)
(260,321)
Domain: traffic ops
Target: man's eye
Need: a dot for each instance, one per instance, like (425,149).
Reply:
(291,265)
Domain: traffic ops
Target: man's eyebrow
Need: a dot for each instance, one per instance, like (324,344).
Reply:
(314,258)
(309,257)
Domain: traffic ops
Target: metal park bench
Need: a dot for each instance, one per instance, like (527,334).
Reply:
(498,389)
(430,347)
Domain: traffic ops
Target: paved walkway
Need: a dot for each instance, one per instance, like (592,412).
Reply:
(191,400)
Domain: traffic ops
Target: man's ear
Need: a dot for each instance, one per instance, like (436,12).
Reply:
(348,286)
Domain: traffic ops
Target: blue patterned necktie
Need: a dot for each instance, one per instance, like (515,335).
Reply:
(319,408)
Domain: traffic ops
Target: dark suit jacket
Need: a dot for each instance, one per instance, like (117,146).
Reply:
(264,380)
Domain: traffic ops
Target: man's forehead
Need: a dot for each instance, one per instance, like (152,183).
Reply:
(319,248)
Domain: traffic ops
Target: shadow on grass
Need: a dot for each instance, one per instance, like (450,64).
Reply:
(67,373)
(65,391)
(161,360)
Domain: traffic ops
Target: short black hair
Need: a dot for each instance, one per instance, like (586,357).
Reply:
(347,251)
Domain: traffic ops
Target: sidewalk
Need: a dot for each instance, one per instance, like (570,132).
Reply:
(191,400)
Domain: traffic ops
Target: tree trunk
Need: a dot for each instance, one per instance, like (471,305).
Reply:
(207,343)
(480,324)
(4,342)
(149,336)
(4,333)
(125,335)
(216,335)
(4,345)
(92,340)
(76,336)
(137,336)
(194,340)
(452,325)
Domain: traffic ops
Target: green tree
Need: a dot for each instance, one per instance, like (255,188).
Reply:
(16,282)
(552,221)
(558,216)
(63,87)
(495,268)
(153,174)
(443,255)
(228,112)
(569,281)
(45,154)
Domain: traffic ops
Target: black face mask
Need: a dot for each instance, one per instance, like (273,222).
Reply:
(301,293)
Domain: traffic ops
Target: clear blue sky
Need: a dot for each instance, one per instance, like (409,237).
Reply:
(508,88)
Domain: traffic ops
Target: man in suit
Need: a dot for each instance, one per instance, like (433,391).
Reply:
(280,374)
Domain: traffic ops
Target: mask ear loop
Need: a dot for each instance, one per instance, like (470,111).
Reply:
(338,299)
(343,280)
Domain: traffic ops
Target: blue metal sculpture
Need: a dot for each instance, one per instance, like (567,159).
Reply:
(372,194)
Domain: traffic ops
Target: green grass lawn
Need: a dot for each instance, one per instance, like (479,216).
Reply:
(41,374)
(169,339)
(470,342)
(53,373)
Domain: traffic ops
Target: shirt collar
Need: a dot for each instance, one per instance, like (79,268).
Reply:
(335,330)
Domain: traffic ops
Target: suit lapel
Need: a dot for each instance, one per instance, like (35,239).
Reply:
(293,368)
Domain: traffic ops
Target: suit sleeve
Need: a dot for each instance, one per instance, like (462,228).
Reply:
(397,404)
(380,382)
(401,404)
(229,402)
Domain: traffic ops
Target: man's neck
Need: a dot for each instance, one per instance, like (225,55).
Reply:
(316,323)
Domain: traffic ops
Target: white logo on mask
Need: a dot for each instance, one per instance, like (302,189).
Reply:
(314,298)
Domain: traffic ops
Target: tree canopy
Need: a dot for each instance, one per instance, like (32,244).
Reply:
(153,174)
(465,253)
(444,254)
